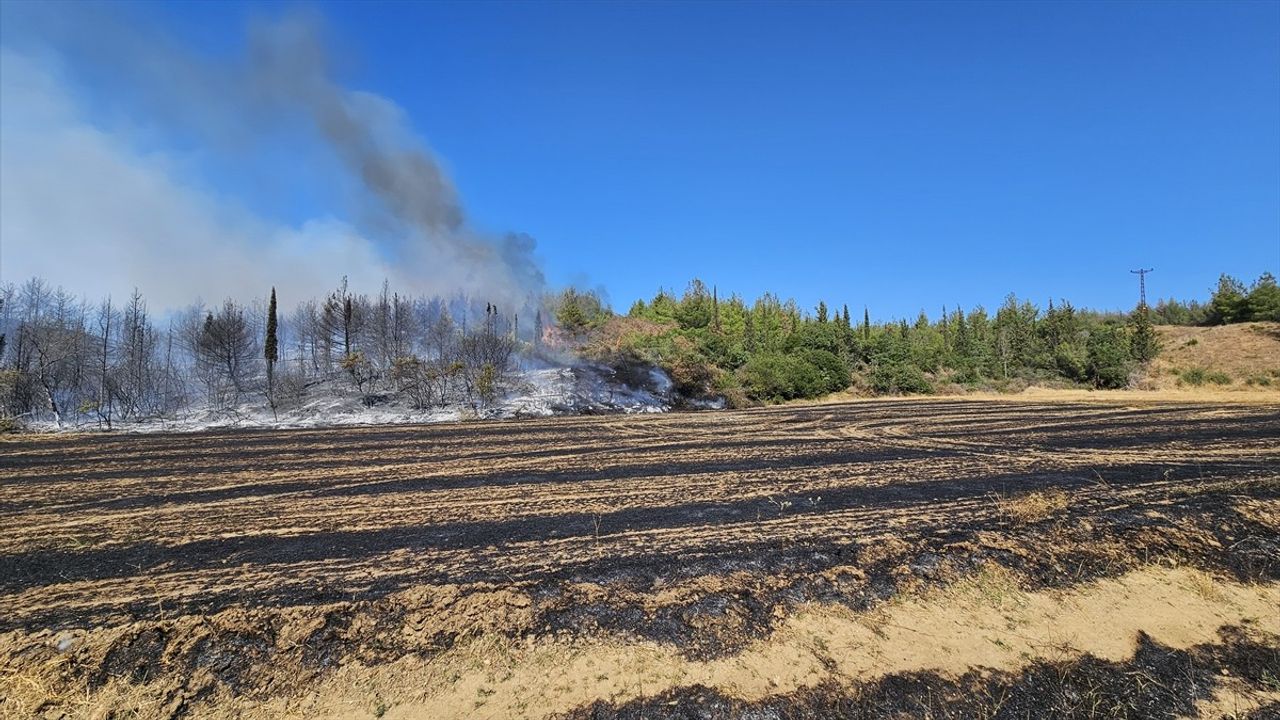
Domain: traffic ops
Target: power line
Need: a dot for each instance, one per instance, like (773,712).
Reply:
(1142,285)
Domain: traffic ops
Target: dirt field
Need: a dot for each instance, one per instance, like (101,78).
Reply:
(961,558)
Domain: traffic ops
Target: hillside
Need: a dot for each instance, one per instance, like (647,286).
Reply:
(1241,356)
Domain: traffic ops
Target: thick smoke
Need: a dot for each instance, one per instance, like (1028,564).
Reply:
(288,64)
(409,210)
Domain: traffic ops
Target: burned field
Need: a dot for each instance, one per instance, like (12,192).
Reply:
(231,573)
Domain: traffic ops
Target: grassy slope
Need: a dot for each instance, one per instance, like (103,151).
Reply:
(1243,353)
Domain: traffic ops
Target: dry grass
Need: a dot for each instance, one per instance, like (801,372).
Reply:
(1226,356)
(1033,506)
(518,568)
(1205,586)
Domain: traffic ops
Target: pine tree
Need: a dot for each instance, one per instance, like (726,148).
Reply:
(1262,303)
(822,312)
(270,348)
(866,324)
(845,317)
(1143,343)
(1228,304)
(537,328)
(715,308)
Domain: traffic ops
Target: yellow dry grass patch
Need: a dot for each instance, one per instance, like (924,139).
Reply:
(1033,506)
(985,620)
(1240,352)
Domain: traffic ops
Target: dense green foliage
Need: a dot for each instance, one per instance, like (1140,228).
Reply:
(1231,302)
(770,350)
(578,311)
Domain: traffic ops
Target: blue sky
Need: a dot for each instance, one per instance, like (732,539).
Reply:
(901,155)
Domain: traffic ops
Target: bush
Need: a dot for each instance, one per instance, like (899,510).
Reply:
(361,370)
(835,373)
(291,388)
(773,377)
(898,378)
(1070,362)
(691,373)
(1194,376)
(487,384)
(1108,363)
(1218,378)
(768,377)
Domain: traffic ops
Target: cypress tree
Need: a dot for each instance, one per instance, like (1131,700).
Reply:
(715,308)
(946,330)
(348,318)
(270,348)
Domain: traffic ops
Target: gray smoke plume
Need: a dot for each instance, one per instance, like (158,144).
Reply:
(290,67)
(408,206)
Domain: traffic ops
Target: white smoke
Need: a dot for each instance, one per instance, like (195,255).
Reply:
(82,206)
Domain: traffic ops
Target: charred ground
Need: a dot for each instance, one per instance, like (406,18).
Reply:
(252,562)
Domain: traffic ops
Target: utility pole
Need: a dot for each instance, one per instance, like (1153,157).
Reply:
(1142,285)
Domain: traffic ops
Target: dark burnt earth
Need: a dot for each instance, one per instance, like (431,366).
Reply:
(253,562)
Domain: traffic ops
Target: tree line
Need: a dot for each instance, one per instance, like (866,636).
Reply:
(1231,302)
(69,360)
(770,350)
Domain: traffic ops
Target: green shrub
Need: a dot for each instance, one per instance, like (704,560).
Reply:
(835,374)
(899,378)
(691,372)
(1218,378)
(773,377)
(487,384)
(1108,362)
(1070,362)
(1194,376)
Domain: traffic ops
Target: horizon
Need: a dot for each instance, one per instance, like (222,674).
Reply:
(978,149)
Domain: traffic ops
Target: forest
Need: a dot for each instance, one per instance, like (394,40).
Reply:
(771,350)
(68,360)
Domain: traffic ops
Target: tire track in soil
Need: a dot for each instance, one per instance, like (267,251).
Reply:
(694,529)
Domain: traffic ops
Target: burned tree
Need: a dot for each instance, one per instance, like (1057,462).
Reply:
(224,352)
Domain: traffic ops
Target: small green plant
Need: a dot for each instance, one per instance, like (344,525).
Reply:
(487,384)
(1191,343)
(1218,378)
(1194,376)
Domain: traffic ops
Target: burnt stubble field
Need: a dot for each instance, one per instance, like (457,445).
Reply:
(209,573)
